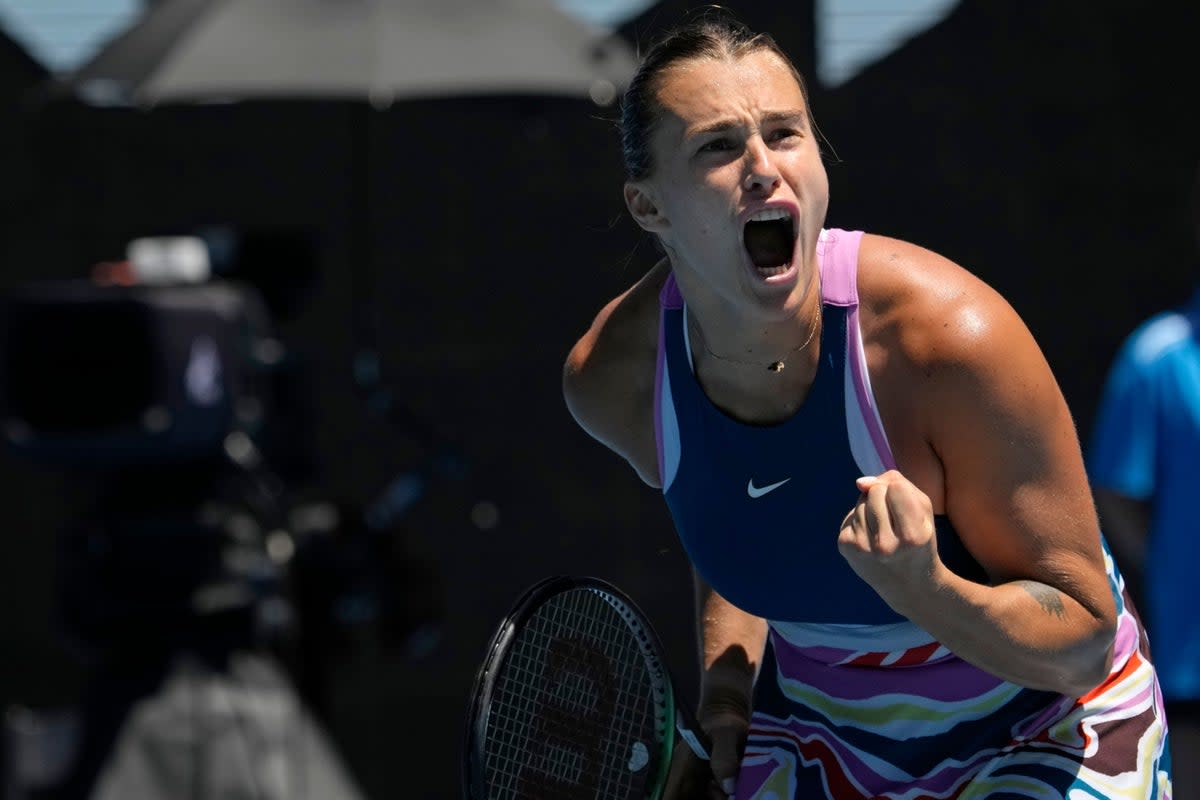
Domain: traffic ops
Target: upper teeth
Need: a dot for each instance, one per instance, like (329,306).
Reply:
(768,214)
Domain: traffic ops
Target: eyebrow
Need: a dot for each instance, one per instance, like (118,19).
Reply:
(719,125)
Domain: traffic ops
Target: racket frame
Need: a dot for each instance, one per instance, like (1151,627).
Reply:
(501,643)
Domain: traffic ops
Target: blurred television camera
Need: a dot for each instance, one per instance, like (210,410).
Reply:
(162,385)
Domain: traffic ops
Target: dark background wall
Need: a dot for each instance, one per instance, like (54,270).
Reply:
(1046,147)
(19,73)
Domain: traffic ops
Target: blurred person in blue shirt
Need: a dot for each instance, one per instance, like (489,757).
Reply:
(1144,464)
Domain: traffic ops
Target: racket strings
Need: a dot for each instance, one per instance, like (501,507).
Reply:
(578,711)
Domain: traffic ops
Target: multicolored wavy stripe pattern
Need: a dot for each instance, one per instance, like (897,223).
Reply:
(891,714)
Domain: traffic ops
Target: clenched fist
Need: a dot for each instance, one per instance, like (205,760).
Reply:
(888,538)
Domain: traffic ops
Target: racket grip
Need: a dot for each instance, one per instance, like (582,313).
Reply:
(692,734)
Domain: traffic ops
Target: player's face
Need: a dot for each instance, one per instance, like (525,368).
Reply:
(738,186)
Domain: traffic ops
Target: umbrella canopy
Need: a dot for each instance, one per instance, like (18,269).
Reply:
(186,51)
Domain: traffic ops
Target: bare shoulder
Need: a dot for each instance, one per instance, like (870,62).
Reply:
(941,341)
(928,309)
(608,377)
(963,387)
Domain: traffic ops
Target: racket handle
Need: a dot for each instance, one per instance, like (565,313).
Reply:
(692,734)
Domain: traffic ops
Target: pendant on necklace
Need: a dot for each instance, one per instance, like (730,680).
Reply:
(776,367)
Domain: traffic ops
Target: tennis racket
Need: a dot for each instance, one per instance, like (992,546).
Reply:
(574,700)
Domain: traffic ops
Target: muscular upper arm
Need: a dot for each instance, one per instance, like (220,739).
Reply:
(608,376)
(998,431)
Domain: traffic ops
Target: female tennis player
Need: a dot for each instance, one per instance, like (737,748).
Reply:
(903,590)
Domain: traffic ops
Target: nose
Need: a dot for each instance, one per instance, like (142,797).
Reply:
(761,173)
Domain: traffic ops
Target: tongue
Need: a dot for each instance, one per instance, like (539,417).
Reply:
(769,243)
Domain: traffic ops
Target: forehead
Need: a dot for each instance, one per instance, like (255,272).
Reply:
(702,89)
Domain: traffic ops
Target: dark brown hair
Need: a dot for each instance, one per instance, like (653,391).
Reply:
(713,33)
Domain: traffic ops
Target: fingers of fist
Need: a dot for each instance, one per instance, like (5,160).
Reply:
(890,517)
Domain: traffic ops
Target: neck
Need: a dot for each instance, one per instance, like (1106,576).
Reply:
(749,392)
(757,344)
(753,395)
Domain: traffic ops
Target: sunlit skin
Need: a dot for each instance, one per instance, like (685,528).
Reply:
(974,417)
(734,137)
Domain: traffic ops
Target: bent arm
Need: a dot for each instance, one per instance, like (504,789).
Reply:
(1017,492)
(1012,482)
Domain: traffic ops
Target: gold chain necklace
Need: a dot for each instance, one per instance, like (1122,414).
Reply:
(774,366)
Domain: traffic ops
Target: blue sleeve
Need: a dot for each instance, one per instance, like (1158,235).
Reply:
(1121,455)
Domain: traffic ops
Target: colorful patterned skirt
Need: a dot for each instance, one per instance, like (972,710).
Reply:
(850,712)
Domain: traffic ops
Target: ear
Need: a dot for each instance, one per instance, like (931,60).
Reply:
(644,208)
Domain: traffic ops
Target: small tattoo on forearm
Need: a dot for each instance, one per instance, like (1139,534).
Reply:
(1048,597)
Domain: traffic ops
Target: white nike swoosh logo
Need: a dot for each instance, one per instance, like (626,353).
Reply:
(756,492)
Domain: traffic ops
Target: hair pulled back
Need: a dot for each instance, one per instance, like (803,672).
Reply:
(712,34)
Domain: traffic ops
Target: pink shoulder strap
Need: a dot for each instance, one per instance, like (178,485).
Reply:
(837,252)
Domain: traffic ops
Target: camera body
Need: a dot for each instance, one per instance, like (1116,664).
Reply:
(132,375)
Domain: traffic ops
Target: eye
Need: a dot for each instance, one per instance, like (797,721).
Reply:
(782,134)
(721,145)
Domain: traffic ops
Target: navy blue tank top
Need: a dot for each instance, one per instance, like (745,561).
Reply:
(758,508)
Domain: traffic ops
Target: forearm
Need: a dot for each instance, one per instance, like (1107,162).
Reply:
(731,646)
(1026,632)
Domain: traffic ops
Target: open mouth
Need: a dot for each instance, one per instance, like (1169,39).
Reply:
(770,240)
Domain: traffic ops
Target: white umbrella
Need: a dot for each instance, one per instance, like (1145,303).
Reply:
(186,51)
